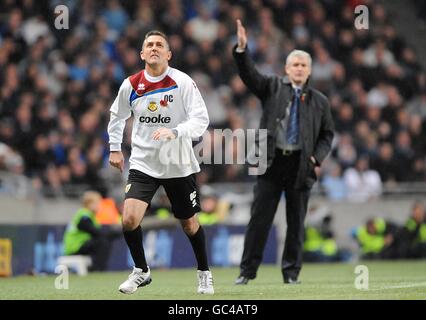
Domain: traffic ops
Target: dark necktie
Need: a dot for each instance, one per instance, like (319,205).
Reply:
(293,123)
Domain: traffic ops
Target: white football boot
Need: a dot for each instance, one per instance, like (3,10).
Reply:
(205,282)
(137,279)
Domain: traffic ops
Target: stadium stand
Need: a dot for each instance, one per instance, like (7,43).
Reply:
(57,85)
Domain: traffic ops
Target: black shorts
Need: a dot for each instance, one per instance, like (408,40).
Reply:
(182,192)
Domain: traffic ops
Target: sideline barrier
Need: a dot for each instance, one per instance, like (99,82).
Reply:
(37,248)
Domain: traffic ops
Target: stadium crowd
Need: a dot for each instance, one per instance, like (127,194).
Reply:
(56,86)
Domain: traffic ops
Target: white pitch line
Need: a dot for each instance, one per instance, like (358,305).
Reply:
(411,285)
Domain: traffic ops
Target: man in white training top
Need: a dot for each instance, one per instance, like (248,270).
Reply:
(168,113)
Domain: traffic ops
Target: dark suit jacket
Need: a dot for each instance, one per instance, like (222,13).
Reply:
(315,121)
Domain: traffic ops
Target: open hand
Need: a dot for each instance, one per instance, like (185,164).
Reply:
(163,133)
(242,35)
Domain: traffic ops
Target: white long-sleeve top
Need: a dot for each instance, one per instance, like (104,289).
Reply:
(171,100)
(362,186)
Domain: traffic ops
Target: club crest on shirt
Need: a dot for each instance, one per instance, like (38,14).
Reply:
(127,188)
(152,106)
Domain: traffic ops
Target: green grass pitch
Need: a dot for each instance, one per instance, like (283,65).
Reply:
(387,280)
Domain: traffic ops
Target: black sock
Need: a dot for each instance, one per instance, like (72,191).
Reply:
(134,242)
(198,242)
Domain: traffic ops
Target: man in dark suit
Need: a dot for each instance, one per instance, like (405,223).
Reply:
(300,131)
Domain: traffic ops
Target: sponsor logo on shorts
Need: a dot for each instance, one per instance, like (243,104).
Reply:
(193,198)
(128,187)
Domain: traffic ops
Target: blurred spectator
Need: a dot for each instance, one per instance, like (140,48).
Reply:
(216,109)
(378,55)
(385,164)
(213,210)
(58,84)
(415,130)
(362,183)
(376,239)
(84,234)
(319,244)
(115,16)
(403,151)
(345,152)
(377,96)
(203,27)
(345,118)
(322,70)
(418,170)
(333,183)
(10,160)
(107,213)
(162,207)
(414,233)
(417,106)
(420,9)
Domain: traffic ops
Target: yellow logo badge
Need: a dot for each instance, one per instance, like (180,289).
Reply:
(128,187)
(152,106)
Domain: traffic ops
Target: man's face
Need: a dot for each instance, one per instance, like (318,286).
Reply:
(419,213)
(94,204)
(371,228)
(298,70)
(155,51)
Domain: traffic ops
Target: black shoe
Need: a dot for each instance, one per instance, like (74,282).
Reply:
(242,280)
(291,280)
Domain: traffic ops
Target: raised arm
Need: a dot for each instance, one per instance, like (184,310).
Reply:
(253,79)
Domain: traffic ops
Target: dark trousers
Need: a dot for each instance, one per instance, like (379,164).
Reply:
(267,193)
(99,249)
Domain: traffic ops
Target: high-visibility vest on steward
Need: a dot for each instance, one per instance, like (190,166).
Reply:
(315,242)
(411,226)
(372,243)
(74,238)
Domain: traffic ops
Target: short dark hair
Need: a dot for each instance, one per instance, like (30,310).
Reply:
(156,33)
